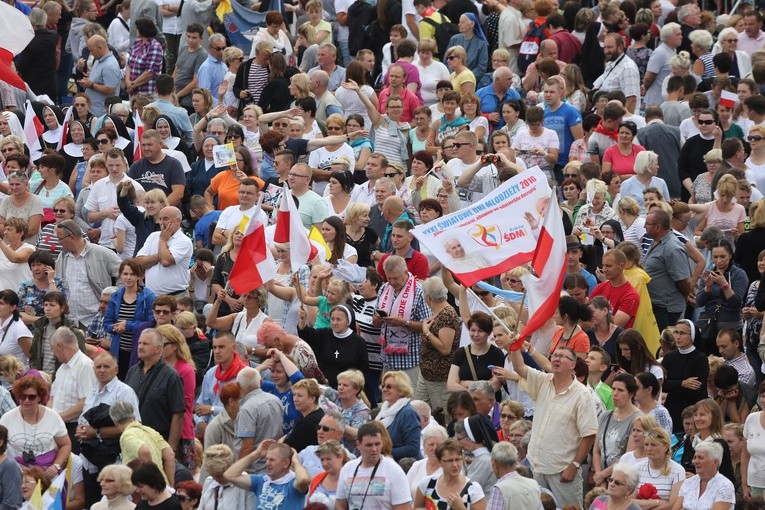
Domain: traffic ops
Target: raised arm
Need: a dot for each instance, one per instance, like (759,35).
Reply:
(374,115)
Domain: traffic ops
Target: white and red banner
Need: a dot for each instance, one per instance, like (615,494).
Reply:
(549,263)
(137,151)
(290,229)
(493,235)
(255,264)
(33,129)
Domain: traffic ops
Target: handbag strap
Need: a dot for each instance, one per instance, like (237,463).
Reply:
(470,362)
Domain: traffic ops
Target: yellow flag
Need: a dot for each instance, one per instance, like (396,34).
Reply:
(35,502)
(243,224)
(315,235)
(224,7)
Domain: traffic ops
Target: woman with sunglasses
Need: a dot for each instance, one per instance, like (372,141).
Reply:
(38,434)
(21,203)
(233,58)
(225,185)
(620,485)
(320,160)
(63,209)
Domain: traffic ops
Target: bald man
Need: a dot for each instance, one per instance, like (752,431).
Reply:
(165,256)
(104,77)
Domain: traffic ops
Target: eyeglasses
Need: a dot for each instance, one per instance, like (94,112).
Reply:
(334,128)
(451,57)
(561,356)
(482,293)
(236,137)
(218,48)
(103,141)
(457,145)
(449,147)
(162,312)
(616,482)
(282,124)
(442,197)
(182,498)
(324,428)
(508,416)
(754,138)
(730,40)
(388,387)
(60,211)
(570,176)
(394,174)
(28,396)
(707,122)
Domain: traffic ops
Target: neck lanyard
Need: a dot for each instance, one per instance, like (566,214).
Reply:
(371,478)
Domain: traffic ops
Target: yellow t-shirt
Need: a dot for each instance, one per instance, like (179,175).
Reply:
(464,77)
(645,321)
(428,31)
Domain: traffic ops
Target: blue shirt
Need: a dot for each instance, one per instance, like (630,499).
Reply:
(105,71)
(561,121)
(202,228)
(276,497)
(211,73)
(180,116)
(491,103)
(23,8)
(291,415)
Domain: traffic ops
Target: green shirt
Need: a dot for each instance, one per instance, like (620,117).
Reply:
(604,392)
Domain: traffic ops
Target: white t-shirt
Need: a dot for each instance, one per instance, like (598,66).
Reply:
(417,473)
(663,483)
(429,78)
(755,444)
(322,159)
(524,142)
(232,216)
(342,6)
(388,488)
(171,279)
(719,489)
(123,225)
(10,344)
(21,437)
(480,121)
(688,128)
(407,7)
(103,196)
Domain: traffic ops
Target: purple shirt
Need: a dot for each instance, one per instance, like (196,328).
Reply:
(412,76)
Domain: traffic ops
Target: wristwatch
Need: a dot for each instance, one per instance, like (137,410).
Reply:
(408,323)
(58,467)
(576,464)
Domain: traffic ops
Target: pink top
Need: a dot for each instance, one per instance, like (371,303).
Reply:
(621,164)
(189,387)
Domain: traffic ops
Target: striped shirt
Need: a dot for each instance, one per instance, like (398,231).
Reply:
(127,313)
(256,81)
(663,483)
(365,310)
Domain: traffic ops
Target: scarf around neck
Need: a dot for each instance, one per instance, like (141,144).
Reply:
(612,134)
(221,377)
(396,338)
(388,412)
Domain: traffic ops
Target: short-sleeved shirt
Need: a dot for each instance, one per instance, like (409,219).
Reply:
(188,65)
(226,186)
(465,76)
(658,64)
(21,438)
(160,394)
(387,489)
(666,262)
(32,207)
(312,208)
(174,278)
(163,175)
(623,298)
(561,121)
(663,483)
(560,421)
(74,380)
(105,71)
(719,489)
(137,435)
(274,496)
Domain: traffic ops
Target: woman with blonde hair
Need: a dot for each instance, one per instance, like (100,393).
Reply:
(632,223)
(462,78)
(305,396)
(358,234)
(324,485)
(216,491)
(352,404)
(398,416)
(176,353)
(299,87)
(147,221)
(596,211)
(723,212)
(471,110)
(576,90)
(306,48)
(702,185)
(233,58)
(641,426)
(680,65)
(116,487)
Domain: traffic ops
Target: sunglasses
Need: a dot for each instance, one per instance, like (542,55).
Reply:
(482,293)
(461,144)
(162,312)
(60,211)
(508,416)
(324,428)
(103,141)
(706,122)
(754,138)
(27,396)
(615,482)
(391,175)
(570,176)
(182,498)
(451,57)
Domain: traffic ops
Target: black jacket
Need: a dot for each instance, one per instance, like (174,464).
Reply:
(41,49)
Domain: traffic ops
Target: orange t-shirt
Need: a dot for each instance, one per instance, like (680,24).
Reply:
(580,342)
(226,186)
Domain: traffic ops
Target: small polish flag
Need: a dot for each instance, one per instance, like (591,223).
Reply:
(33,128)
(65,128)
(728,99)
(137,152)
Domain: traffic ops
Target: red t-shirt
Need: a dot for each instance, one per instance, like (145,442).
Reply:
(417,264)
(622,299)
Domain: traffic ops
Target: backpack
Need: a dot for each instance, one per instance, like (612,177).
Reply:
(360,15)
(530,45)
(443,32)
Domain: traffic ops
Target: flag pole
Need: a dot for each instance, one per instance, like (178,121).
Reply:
(518,321)
(491,312)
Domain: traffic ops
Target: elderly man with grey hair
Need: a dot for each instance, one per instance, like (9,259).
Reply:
(484,394)
(166,254)
(494,95)
(331,426)
(73,381)
(138,441)
(260,417)
(511,490)
(327,57)
(658,66)
(326,102)
(213,70)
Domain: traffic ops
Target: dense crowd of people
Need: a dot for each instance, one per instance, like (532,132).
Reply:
(369,377)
